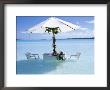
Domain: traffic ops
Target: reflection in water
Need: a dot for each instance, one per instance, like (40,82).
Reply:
(36,66)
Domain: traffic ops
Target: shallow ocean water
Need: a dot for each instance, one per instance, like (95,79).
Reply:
(85,64)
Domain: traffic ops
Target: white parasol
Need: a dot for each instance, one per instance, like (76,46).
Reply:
(53,22)
(53,25)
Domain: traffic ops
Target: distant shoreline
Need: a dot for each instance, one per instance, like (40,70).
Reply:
(81,38)
(56,39)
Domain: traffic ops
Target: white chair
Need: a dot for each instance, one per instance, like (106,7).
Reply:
(32,56)
(77,55)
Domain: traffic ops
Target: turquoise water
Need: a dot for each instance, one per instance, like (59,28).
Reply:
(85,64)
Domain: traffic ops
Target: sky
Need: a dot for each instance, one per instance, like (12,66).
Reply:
(86,23)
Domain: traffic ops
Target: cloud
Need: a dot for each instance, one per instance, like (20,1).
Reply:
(82,28)
(90,22)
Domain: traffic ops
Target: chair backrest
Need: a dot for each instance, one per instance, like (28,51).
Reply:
(78,55)
(28,55)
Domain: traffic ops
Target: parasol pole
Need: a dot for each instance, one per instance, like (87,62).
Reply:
(54,44)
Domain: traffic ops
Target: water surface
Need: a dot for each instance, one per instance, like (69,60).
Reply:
(85,64)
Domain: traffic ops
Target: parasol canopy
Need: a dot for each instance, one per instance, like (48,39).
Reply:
(53,22)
